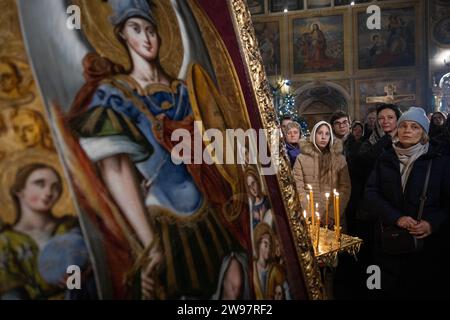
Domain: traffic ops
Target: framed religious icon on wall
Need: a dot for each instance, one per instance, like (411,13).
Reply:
(443,2)
(439,23)
(341,2)
(318,44)
(441,32)
(281,5)
(142,110)
(316,4)
(403,91)
(256,6)
(395,44)
(269,33)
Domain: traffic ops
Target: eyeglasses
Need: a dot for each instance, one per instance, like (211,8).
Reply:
(341,124)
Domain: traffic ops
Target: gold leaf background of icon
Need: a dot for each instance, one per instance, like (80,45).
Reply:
(97,28)
(24,134)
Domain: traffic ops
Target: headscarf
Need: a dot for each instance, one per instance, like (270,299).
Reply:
(358,123)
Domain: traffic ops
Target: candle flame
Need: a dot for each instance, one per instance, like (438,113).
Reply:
(309,187)
(317,215)
(337,194)
(317,205)
(327,195)
(304,213)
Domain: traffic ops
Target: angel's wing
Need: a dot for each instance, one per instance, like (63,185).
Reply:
(55,53)
(54,50)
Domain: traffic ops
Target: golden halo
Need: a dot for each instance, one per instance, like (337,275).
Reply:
(8,171)
(100,33)
(319,25)
(24,86)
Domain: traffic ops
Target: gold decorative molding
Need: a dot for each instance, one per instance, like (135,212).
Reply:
(255,70)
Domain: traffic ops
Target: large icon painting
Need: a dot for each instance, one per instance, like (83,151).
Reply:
(118,90)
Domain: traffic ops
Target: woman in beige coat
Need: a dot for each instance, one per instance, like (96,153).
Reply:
(322,165)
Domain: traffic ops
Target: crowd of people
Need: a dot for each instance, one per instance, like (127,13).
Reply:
(392,171)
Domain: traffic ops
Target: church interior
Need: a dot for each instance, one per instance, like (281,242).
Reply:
(410,53)
(100,201)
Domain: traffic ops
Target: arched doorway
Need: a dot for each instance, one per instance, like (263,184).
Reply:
(318,102)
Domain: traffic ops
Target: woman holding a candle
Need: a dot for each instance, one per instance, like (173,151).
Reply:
(320,168)
(394,191)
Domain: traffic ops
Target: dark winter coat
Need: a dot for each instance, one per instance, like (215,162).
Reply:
(354,167)
(368,154)
(411,274)
(442,141)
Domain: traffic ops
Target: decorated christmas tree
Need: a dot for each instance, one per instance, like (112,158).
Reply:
(285,104)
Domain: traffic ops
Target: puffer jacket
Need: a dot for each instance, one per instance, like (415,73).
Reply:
(308,170)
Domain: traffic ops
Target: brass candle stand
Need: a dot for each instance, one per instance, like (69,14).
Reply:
(331,244)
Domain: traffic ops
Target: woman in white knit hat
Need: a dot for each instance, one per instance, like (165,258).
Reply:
(394,191)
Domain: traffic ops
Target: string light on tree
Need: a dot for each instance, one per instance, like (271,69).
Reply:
(285,104)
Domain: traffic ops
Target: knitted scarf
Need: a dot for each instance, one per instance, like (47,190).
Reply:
(407,157)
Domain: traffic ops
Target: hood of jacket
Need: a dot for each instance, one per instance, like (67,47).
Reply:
(312,137)
(307,147)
